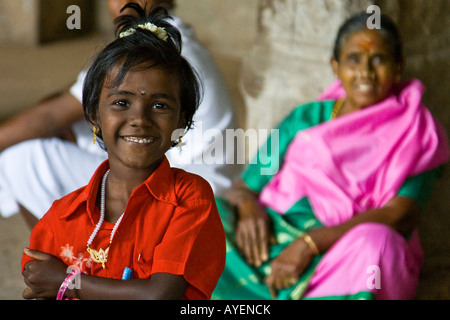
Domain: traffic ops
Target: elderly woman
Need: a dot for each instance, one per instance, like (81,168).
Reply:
(338,220)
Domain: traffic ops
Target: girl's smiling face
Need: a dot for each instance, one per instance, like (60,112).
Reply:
(367,69)
(138,117)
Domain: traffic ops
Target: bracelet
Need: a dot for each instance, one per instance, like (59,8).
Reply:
(66,283)
(311,244)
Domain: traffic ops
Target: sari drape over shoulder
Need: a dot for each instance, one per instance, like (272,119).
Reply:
(359,161)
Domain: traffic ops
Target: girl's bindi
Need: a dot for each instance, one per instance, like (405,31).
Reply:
(143,92)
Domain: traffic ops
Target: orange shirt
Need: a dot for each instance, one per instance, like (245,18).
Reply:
(171,225)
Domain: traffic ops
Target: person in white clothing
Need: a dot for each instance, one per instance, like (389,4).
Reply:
(47,150)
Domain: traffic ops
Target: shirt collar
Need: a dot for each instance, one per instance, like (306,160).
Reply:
(160,184)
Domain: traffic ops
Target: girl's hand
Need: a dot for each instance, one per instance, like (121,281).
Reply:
(252,232)
(288,266)
(43,276)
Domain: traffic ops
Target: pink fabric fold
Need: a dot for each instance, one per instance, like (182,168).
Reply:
(359,161)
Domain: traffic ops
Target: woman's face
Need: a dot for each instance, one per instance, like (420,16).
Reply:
(367,69)
(138,117)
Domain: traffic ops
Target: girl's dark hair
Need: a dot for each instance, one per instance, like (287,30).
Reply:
(142,47)
(388,29)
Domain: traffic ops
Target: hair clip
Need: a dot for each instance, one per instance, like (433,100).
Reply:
(161,33)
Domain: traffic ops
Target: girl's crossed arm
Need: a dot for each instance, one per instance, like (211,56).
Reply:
(45,275)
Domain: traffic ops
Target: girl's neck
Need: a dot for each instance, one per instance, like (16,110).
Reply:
(119,187)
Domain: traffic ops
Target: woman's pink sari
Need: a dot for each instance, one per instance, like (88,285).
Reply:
(355,163)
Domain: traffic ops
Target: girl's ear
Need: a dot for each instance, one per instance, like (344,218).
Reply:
(93,119)
(93,122)
(95,125)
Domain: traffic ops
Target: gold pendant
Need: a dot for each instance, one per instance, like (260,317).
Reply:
(100,256)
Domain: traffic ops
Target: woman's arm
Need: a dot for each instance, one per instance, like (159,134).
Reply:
(252,229)
(45,275)
(400,214)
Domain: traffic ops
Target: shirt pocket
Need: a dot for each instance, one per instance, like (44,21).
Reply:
(142,266)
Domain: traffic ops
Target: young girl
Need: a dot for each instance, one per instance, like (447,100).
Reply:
(136,214)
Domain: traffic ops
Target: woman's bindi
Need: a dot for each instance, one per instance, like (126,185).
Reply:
(366,45)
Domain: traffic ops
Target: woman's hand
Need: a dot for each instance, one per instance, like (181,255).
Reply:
(288,266)
(252,228)
(252,232)
(43,276)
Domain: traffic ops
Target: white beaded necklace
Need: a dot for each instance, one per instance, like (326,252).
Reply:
(101,256)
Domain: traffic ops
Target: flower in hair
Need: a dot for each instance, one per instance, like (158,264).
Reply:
(161,33)
(127,33)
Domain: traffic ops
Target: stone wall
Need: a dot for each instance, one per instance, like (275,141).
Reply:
(228,29)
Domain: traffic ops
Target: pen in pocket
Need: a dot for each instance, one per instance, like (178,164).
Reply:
(127,274)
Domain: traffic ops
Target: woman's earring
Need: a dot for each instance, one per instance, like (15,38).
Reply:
(95,130)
